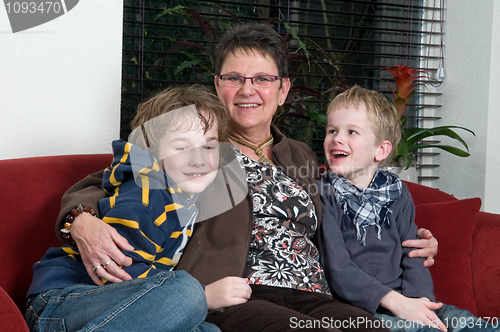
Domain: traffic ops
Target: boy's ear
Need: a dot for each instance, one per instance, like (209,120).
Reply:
(384,150)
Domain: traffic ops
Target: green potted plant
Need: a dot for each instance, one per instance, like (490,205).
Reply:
(405,79)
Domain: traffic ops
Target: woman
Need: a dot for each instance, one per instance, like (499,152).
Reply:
(269,237)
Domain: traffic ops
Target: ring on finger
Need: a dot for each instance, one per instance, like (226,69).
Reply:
(106,265)
(96,268)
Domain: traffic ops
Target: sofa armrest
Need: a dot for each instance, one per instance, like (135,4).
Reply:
(485,261)
(10,317)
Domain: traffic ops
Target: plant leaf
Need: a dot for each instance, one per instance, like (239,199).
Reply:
(451,149)
(233,15)
(306,90)
(302,45)
(318,117)
(186,64)
(176,10)
(195,61)
(413,135)
(403,149)
(207,28)
(403,119)
(185,43)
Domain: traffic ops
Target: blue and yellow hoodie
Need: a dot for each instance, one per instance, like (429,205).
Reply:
(157,220)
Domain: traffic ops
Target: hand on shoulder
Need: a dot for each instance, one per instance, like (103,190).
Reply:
(98,244)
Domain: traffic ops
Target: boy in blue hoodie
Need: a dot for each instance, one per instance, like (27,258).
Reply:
(154,181)
(367,214)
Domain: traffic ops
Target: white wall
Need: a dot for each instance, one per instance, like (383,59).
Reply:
(471,99)
(491,202)
(60,82)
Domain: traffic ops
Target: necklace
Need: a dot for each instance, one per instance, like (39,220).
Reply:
(257,149)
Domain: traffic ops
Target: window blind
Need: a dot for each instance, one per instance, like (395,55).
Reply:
(359,37)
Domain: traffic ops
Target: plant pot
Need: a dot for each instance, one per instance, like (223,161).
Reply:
(409,174)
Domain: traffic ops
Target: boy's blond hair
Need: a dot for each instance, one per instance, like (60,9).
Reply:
(381,113)
(161,107)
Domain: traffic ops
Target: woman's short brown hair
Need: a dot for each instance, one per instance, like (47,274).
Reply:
(253,37)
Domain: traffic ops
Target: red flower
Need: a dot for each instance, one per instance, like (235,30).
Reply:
(405,86)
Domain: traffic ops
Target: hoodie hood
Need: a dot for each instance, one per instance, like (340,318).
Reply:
(132,162)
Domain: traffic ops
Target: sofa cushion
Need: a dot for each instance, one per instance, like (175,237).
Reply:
(486,265)
(452,223)
(29,203)
(10,317)
(423,194)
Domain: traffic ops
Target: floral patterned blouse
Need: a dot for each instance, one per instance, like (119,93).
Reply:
(281,253)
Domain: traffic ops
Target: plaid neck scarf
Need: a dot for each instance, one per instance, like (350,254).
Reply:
(366,207)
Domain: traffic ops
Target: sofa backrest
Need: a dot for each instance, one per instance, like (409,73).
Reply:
(30,197)
(423,194)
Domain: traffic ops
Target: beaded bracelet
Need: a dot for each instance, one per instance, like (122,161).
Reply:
(70,217)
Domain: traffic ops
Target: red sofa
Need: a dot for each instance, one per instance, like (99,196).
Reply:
(466,272)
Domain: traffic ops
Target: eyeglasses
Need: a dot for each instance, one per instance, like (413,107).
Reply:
(260,81)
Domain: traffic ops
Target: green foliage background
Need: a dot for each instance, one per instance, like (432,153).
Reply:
(334,44)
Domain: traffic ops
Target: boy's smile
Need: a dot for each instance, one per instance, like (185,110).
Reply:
(351,145)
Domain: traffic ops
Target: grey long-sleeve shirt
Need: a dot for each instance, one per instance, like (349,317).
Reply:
(363,275)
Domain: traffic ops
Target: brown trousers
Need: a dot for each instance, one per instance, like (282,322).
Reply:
(276,309)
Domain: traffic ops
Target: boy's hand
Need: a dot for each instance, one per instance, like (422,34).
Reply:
(227,292)
(98,244)
(428,244)
(416,310)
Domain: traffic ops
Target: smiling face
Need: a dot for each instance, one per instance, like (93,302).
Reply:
(351,147)
(190,157)
(251,109)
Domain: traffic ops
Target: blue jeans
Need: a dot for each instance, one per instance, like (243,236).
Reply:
(455,320)
(167,301)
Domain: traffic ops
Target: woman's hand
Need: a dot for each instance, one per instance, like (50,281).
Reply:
(98,244)
(418,310)
(428,244)
(227,292)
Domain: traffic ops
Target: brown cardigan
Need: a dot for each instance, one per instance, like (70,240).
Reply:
(219,246)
